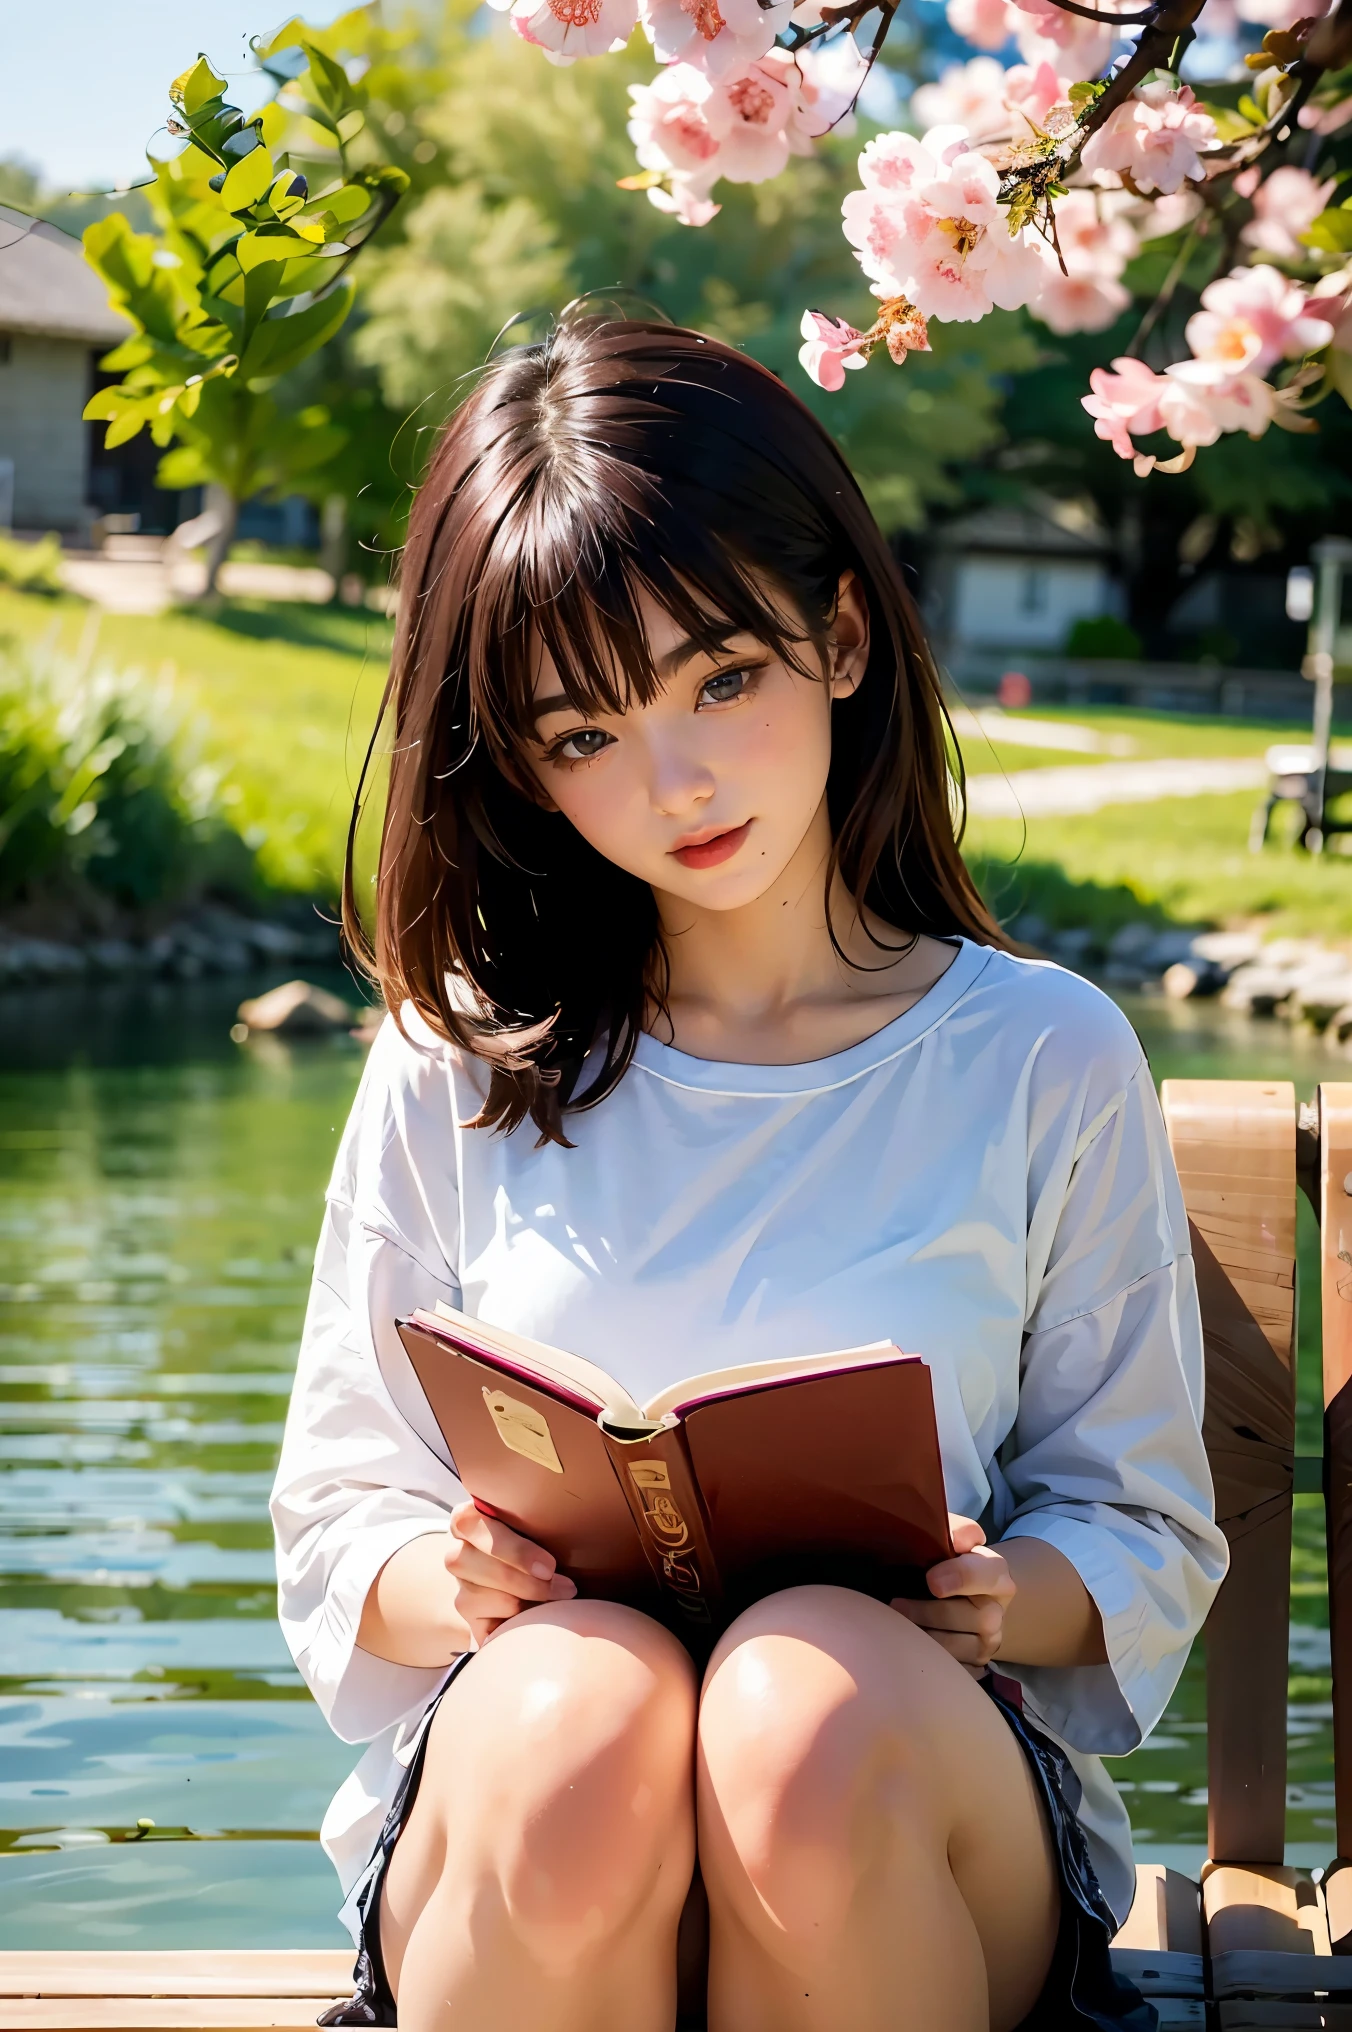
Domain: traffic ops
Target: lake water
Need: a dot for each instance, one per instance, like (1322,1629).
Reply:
(162,1770)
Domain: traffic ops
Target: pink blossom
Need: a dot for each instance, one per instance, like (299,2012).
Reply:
(568,29)
(684,203)
(1254,317)
(826,82)
(1156,218)
(1154,137)
(669,125)
(1074,47)
(1035,89)
(1331,297)
(927,226)
(1326,119)
(1280,13)
(721,36)
(1096,244)
(986,24)
(1284,207)
(830,346)
(1203,400)
(973,95)
(1124,403)
(748,112)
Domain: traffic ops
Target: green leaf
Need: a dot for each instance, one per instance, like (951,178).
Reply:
(196,88)
(330,81)
(1340,373)
(1086,93)
(1252,111)
(344,205)
(280,343)
(1230,125)
(270,243)
(248,180)
(1331,232)
(287,194)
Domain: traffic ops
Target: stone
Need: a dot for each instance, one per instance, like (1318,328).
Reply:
(114,956)
(1072,947)
(296,1009)
(1193,976)
(1318,1002)
(1228,949)
(1340,1024)
(273,941)
(1168,948)
(1258,989)
(1129,941)
(1029,929)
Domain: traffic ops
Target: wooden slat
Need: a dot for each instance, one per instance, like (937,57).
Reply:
(1166,1914)
(1234,1142)
(179,1972)
(1268,1911)
(161,2014)
(1335,1223)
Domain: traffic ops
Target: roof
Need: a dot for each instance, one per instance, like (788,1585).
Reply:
(48,288)
(1025,532)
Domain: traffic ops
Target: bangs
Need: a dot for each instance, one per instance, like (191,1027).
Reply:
(565,570)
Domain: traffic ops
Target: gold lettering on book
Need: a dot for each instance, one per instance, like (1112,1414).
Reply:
(671,1537)
(524,1429)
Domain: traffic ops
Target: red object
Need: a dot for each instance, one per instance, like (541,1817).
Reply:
(1014,689)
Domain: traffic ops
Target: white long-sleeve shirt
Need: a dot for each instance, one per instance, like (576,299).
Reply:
(985,1181)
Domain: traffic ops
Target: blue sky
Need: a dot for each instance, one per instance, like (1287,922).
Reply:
(82,81)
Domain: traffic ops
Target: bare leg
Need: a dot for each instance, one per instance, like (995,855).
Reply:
(872,1844)
(540,1877)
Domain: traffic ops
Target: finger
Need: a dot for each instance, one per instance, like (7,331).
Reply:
(967,1650)
(482,1569)
(490,1534)
(983,1618)
(982,1571)
(480,1604)
(965,1532)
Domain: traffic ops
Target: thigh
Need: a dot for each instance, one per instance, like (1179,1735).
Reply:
(836,1739)
(557,1765)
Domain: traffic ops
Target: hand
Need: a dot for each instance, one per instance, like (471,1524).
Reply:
(971,1593)
(497,1573)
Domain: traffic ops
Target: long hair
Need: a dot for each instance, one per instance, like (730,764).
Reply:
(616,458)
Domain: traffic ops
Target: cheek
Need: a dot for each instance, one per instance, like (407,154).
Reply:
(599,802)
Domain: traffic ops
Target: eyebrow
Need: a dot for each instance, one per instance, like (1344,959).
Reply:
(684,652)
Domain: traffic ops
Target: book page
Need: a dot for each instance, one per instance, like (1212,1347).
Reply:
(585,1377)
(722,1382)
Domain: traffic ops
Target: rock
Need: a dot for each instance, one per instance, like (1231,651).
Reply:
(1318,1002)
(1193,976)
(296,1009)
(1130,941)
(1072,947)
(43,959)
(1168,949)
(273,941)
(1029,929)
(1340,1024)
(1228,949)
(115,956)
(1259,990)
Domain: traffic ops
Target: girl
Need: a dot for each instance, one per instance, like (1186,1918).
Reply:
(703,1048)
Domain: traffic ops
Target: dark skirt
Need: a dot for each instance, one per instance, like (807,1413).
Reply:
(1082,1992)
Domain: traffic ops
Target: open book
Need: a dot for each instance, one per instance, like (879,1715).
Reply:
(717,1491)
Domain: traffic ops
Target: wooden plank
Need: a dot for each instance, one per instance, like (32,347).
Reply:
(1247,1974)
(1161,1975)
(1166,1914)
(179,1972)
(1335,1240)
(1234,1142)
(162,2014)
(1265,1911)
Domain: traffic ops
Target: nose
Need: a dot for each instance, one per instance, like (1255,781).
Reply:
(679,780)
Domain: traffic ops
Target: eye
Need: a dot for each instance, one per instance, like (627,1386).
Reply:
(580,746)
(725,687)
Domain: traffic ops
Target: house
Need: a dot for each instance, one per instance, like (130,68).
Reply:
(1009,581)
(55,324)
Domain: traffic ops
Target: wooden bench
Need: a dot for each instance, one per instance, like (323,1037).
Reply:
(1252,1947)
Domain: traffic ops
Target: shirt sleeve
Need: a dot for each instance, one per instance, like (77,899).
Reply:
(363,1467)
(1106,1460)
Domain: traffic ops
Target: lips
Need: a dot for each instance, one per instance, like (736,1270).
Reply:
(708,853)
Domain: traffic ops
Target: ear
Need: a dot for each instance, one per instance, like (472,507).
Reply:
(849,638)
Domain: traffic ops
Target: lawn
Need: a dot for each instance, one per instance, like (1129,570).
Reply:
(285,697)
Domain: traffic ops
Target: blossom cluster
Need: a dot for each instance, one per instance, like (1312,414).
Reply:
(1249,321)
(690,128)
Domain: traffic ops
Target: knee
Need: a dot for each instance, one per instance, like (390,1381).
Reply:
(811,1732)
(582,1717)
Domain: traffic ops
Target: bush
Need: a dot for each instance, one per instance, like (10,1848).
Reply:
(1103,635)
(101,789)
(30,567)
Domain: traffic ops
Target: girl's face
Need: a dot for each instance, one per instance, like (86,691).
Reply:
(708,792)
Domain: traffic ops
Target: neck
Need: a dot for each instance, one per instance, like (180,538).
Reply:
(739,969)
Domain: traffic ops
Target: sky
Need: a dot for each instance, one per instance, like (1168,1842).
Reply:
(82,82)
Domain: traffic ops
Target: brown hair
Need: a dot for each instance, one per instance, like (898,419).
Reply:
(615,456)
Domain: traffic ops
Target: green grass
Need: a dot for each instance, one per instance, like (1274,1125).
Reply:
(286,696)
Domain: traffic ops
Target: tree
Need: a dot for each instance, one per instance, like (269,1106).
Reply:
(245,278)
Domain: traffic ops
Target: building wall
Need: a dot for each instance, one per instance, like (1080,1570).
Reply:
(1027,603)
(44,385)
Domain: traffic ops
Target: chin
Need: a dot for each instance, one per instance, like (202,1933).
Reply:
(727,888)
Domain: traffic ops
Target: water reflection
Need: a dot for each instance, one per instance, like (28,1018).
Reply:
(162,1770)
